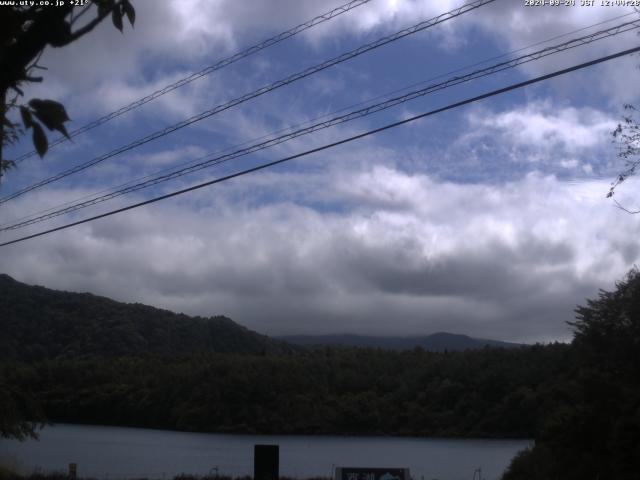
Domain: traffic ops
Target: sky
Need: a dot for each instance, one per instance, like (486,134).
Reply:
(488,220)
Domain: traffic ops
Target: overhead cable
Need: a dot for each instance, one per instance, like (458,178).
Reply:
(333,144)
(256,93)
(206,71)
(380,106)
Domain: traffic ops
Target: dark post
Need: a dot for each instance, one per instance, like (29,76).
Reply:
(266,462)
(73,471)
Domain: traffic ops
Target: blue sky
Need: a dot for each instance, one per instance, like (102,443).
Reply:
(489,220)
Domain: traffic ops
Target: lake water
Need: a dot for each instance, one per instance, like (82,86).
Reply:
(115,452)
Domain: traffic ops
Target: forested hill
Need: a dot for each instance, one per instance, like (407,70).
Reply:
(437,342)
(38,323)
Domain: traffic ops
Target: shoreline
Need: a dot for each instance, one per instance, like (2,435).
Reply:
(246,433)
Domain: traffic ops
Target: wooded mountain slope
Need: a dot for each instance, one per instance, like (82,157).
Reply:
(38,323)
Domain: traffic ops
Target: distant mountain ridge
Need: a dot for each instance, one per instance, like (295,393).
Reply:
(37,323)
(436,342)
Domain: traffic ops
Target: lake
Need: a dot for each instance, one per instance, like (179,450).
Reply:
(117,452)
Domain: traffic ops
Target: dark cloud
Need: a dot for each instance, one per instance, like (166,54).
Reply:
(513,266)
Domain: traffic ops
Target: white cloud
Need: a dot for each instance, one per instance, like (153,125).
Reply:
(514,26)
(404,255)
(193,33)
(544,133)
(543,125)
(173,38)
(173,157)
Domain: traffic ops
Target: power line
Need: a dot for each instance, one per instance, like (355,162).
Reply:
(261,91)
(206,71)
(334,144)
(523,59)
(297,126)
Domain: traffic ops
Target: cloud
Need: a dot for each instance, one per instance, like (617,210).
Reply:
(458,224)
(188,34)
(548,137)
(170,157)
(514,26)
(403,255)
(171,39)
(547,127)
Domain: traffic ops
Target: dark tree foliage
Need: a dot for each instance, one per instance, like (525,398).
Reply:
(594,429)
(491,392)
(21,413)
(26,29)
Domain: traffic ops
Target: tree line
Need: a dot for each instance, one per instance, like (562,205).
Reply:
(492,392)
